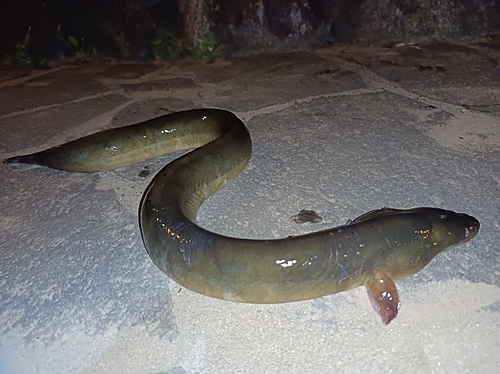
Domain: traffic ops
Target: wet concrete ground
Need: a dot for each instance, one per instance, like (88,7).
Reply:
(340,131)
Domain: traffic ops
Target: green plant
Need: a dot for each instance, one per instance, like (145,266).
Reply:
(20,58)
(165,44)
(206,48)
(79,48)
(410,24)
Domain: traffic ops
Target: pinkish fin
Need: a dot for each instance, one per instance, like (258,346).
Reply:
(383,296)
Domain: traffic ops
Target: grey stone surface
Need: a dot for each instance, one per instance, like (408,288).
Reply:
(333,132)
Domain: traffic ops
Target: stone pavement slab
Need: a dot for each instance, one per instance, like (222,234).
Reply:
(340,131)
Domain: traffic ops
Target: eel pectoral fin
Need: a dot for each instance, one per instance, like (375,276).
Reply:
(383,296)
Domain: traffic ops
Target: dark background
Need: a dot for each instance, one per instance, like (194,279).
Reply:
(126,29)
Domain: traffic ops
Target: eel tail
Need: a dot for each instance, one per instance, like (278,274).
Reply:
(27,159)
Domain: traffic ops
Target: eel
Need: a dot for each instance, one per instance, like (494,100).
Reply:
(372,250)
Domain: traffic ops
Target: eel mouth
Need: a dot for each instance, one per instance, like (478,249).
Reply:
(470,226)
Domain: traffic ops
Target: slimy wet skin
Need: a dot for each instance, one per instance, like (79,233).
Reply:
(372,250)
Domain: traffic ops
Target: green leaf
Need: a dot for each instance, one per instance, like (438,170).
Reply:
(72,40)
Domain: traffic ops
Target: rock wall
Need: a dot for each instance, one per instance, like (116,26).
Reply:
(52,29)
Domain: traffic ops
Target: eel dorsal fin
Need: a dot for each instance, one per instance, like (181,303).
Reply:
(373,214)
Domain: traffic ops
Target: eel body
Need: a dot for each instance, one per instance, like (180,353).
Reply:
(371,250)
